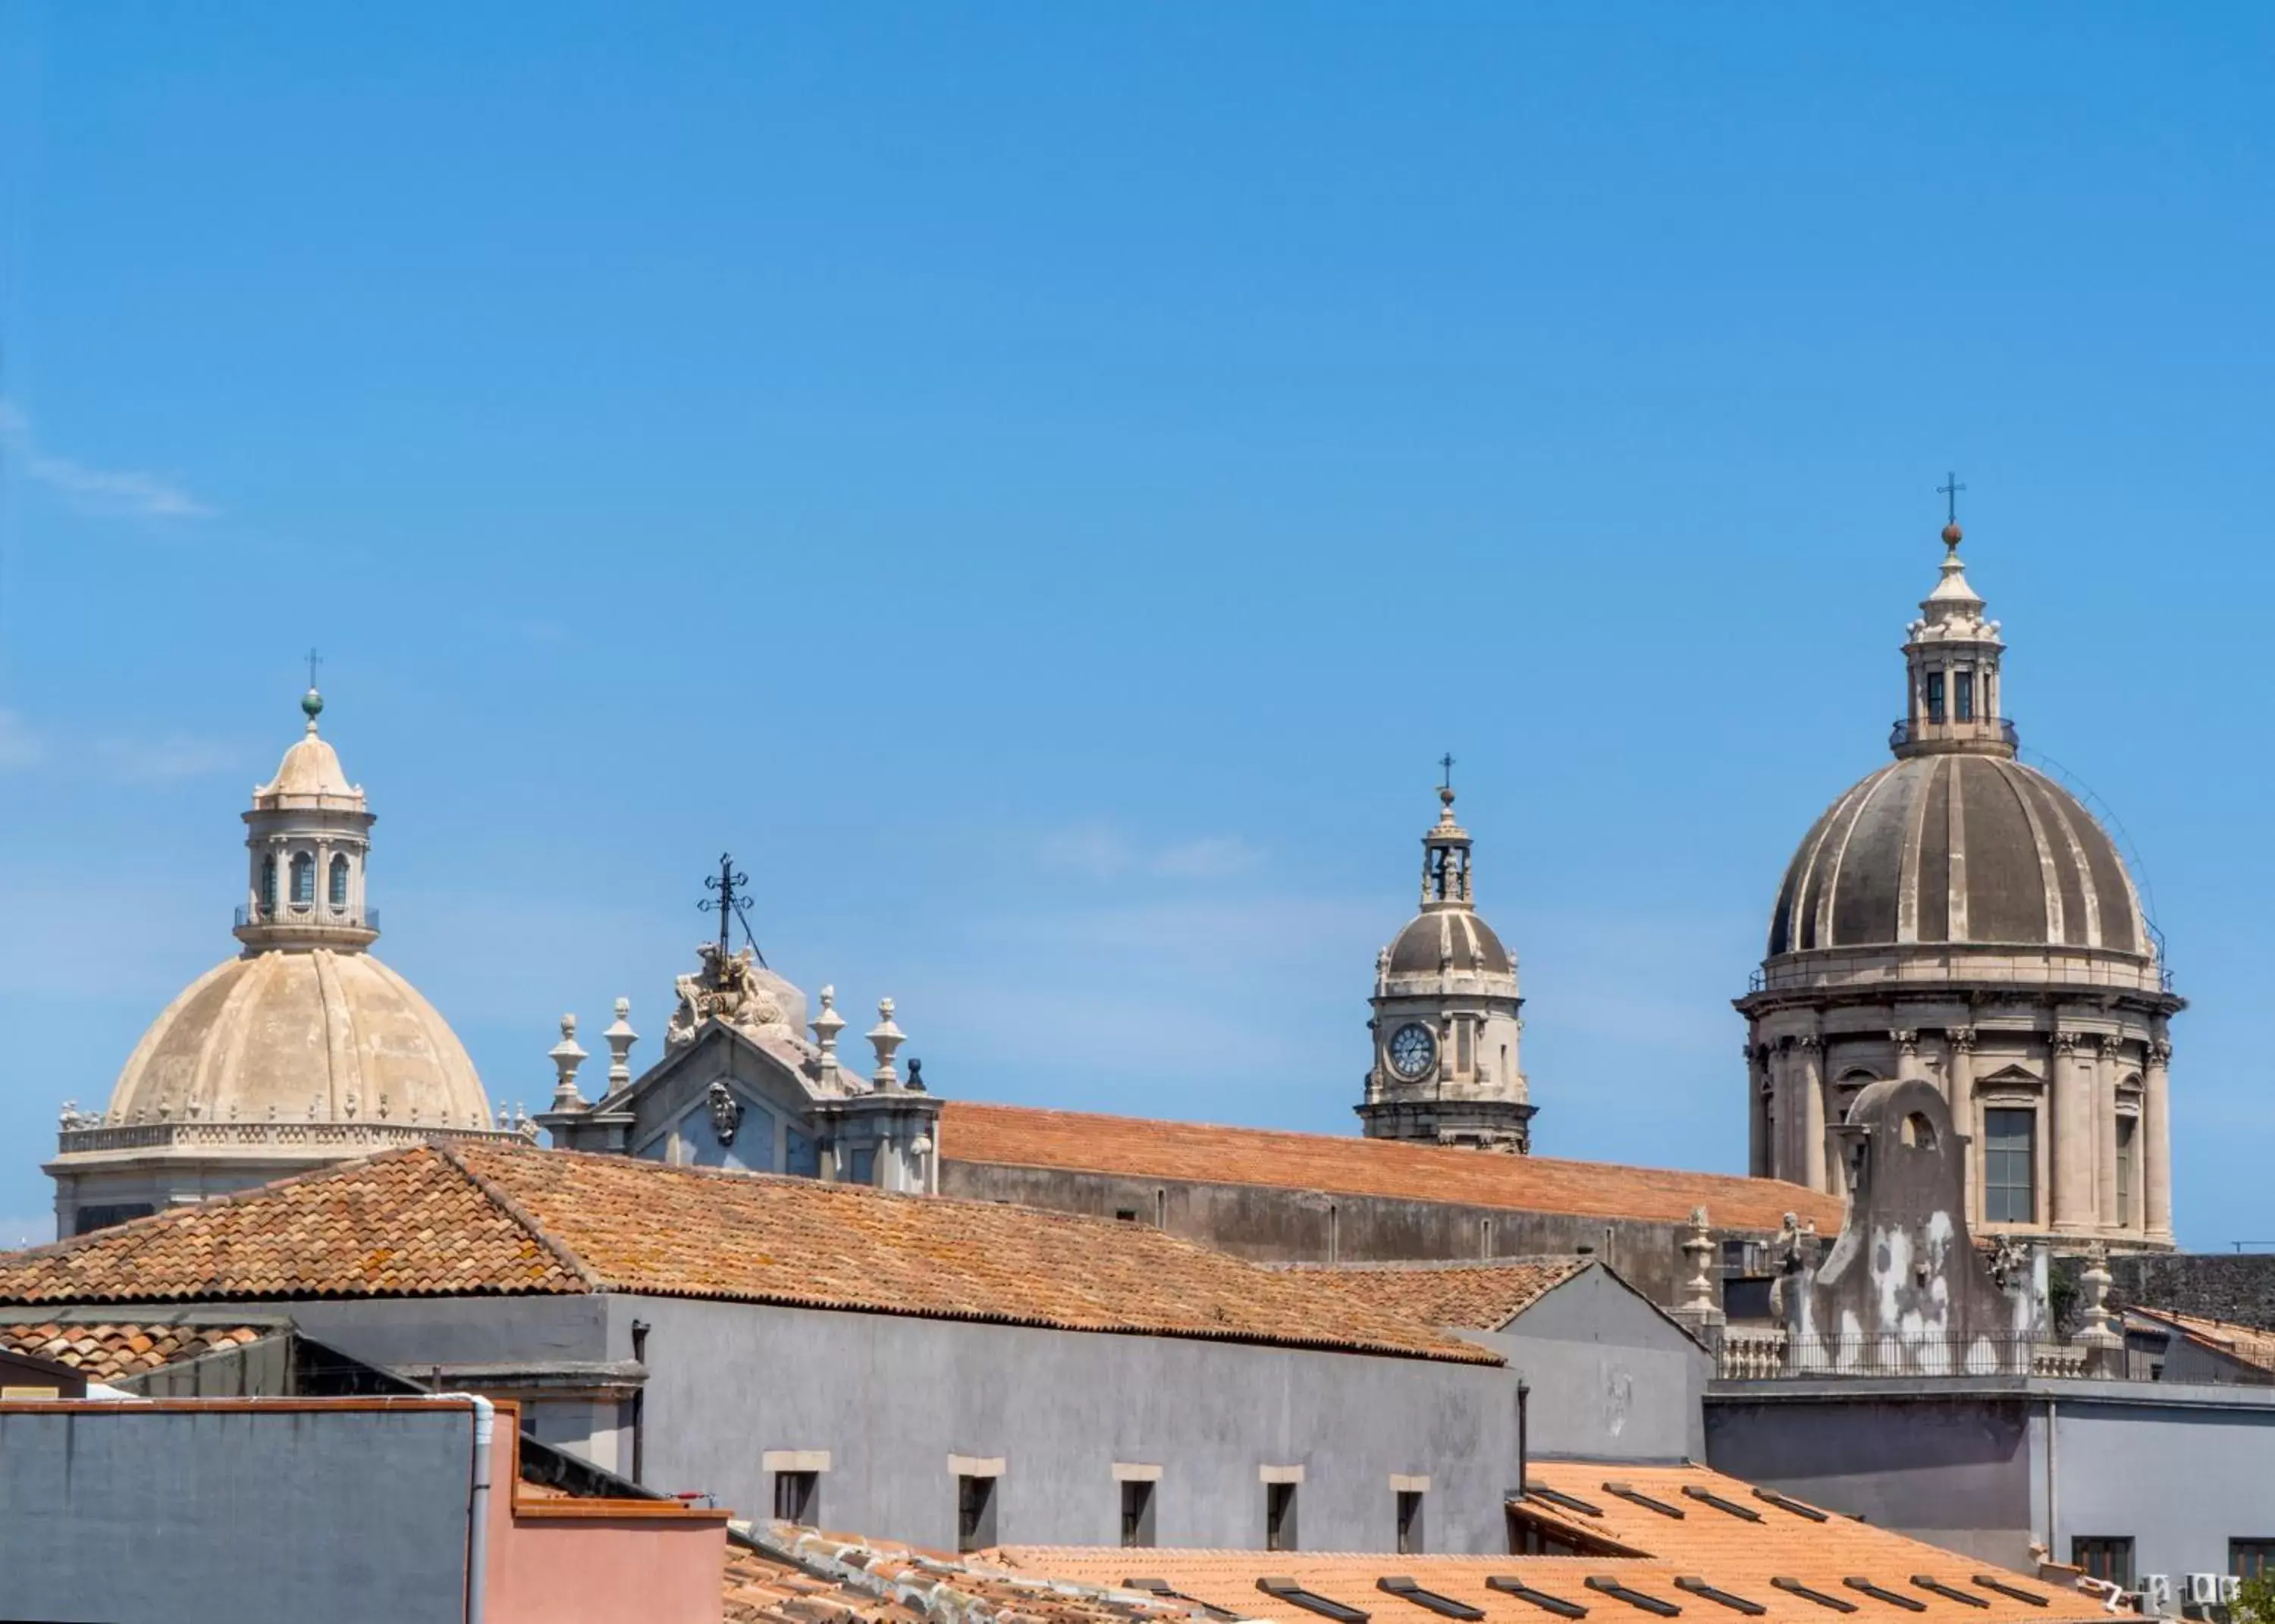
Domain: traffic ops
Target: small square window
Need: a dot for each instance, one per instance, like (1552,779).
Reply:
(796,1497)
(975,1513)
(863,1166)
(1409,1521)
(2104,1556)
(1137,1513)
(1279,1516)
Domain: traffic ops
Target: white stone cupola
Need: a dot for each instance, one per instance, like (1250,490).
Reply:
(1445,1021)
(1951,662)
(307,834)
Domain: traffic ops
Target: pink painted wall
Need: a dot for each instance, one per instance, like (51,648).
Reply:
(648,1567)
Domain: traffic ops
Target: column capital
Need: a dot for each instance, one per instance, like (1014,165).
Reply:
(1808,1043)
(2160,1053)
(1906,1040)
(2065,1042)
(1961,1038)
(2112,1046)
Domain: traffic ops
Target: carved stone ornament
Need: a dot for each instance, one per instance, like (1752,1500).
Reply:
(2160,1053)
(726,988)
(726,1112)
(1961,1039)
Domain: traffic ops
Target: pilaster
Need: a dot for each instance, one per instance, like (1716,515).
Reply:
(2156,1139)
(1811,1054)
(2073,1134)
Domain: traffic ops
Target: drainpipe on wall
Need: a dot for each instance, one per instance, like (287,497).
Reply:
(1523,1455)
(2053,1480)
(477,1505)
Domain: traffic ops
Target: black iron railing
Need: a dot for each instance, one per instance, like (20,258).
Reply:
(1901,735)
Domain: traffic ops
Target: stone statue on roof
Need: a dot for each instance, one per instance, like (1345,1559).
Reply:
(735,989)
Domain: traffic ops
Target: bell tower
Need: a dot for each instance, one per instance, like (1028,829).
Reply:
(307,837)
(1445,1021)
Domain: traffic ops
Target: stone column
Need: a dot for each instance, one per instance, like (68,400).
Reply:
(2105,1135)
(1966,1110)
(1812,1057)
(1784,1136)
(2073,1134)
(2156,1140)
(1756,1140)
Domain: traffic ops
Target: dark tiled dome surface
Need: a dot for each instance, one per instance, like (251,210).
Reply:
(1956,849)
(1448,939)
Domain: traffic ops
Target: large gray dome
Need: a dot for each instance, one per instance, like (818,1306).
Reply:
(1448,939)
(1957,848)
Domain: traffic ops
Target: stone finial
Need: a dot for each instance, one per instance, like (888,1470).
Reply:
(1696,1310)
(69,1119)
(620,1037)
(916,1075)
(566,1056)
(826,1026)
(886,1038)
(2099,1333)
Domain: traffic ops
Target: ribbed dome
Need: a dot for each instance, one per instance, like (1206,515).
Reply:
(296,1037)
(310,768)
(1957,848)
(1451,939)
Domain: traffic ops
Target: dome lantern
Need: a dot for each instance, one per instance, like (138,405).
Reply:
(1950,663)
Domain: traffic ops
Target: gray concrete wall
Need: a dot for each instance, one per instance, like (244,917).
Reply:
(1611,1377)
(1270,1225)
(138,1516)
(2180,1479)
(891,1398)
(1954,1472)
(407,1333)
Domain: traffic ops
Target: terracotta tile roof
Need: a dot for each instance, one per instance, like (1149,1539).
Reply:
(104,1352)
(889,1583)
(1726,1550)
(2245,1344)
(1197,1153)
(485,1218)
(1475,1296)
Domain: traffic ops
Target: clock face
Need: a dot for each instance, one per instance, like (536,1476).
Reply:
(1412,1048)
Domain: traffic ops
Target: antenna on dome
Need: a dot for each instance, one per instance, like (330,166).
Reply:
(727,899)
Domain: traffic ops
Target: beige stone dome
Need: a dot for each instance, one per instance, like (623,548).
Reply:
(298,1037)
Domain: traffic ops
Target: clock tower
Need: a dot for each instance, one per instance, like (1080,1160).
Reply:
(1445,1023)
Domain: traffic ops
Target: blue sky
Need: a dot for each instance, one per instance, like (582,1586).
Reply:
(1042,485)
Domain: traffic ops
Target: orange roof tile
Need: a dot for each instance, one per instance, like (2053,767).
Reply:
(104,1352)
(1477,1296)
(1726,1550)
(1197,1152)
(2245,1344)
(436,1220)
(888,1584)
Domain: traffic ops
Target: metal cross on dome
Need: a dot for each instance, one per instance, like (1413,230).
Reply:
(1950,488)
(1446,761)
(727,900)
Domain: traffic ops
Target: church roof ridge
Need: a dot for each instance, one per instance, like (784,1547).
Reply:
(496,1218)
(1286,1158)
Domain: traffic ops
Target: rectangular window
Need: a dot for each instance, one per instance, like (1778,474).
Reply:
(796,1497)
(2009,1166)
(2251,1559)
(2124,1172)
(1409,1521)
(2104,1556)
(1962,695)
(1279,1516)
(1935,696)
(1463,1063)
(1137,1513)
(864,1166)
(975,1513)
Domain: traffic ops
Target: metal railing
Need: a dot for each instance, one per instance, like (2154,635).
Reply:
(1983,726)
(321,914)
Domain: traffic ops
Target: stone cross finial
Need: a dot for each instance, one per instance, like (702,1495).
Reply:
(826,1026)
(566,1056)
(620,1038)
(886,1038)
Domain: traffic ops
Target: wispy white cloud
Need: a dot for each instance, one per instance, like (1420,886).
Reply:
(19,744)
(176,756)
(1101,852)
(140,492)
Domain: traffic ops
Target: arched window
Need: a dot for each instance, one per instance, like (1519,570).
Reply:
(304,877)
(268,884)
(339,894)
